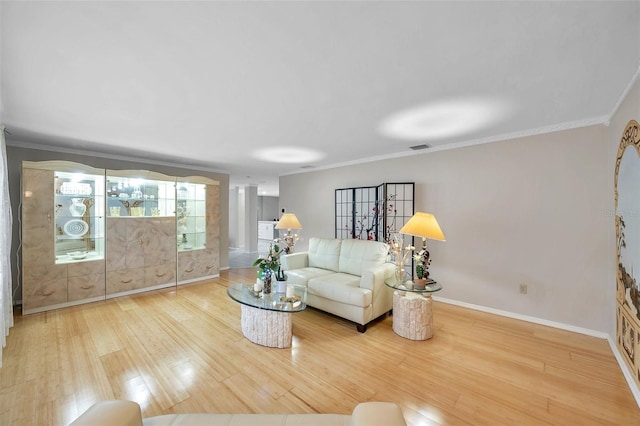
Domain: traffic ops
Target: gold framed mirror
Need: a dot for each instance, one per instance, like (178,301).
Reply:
(627,222)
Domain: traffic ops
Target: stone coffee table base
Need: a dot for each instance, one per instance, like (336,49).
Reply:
(412,316)
(267,328)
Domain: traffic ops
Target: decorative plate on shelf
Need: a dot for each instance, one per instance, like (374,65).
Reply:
(78,255)
(76,228)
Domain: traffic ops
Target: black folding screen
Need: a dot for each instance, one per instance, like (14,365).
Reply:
(373,212)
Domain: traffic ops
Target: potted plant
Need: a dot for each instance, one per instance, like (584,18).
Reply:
(268,265)
(422,269)
(281,279)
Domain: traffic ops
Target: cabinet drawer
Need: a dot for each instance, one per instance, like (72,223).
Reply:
(161,274)
(86,286)
(197,263)
(125,280)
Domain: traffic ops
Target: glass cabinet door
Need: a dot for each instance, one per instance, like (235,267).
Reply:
(191,210)
(128,196)
(79,206)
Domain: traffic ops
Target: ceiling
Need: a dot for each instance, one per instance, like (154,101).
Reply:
(217,85)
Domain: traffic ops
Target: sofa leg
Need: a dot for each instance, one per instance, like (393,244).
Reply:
(361,328)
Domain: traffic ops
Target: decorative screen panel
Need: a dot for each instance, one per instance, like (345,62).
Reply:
(357,213)
(398,207)
(344,213)
(365,225)
(373,212)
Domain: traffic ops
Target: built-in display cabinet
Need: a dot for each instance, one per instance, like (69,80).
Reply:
(198,229)
(62,236)
(89,234)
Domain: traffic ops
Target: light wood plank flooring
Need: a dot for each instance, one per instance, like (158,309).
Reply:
(182,350)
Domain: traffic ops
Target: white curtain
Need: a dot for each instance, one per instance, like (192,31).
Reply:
(6,301)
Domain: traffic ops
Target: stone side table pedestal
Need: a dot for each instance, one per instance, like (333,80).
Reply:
(266,328)
(412,315)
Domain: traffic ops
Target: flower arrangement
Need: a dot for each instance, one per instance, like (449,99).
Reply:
(270,263)
(399,254)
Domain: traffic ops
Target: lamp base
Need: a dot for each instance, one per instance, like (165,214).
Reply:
(423,260)
(290,241)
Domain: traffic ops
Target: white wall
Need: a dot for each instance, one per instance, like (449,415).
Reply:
(234,218)
(268,208)
(250,219)
(532,211)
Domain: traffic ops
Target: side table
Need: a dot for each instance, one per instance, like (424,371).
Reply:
(412,308)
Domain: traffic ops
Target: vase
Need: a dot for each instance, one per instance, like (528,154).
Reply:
(399,272)
(281,286)
(267,284)
(77,207)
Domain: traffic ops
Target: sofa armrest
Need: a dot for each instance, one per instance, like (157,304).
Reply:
(293,261)
(381,295)
(109,413)
(377,413)
(373,279)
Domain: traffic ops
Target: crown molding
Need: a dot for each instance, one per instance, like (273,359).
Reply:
(131,158)
(624,95)
(594,121)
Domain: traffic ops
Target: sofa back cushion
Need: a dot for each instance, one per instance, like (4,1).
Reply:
(324,253)
(357,256)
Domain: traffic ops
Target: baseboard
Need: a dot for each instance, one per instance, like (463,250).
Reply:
(527,318)
(635,391)
(628,375)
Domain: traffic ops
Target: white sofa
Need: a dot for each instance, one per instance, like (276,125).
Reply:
(344,277)
(127,413)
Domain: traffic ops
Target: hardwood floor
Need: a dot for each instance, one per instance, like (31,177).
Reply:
(182,350)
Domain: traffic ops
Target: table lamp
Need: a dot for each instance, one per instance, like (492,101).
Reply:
(289,221)
(426,226)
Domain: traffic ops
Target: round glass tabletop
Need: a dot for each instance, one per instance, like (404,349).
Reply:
(407,284)
(244,294)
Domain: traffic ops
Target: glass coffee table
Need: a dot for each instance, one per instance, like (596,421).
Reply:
(266,318)
(412,308)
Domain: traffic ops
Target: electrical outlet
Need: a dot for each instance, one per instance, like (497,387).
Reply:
(523,289)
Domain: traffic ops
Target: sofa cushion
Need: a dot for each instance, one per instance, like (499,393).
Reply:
(121,412)
(303,275)
(249,420)
(343,288)
(324,253)
(357,256)
(109,413)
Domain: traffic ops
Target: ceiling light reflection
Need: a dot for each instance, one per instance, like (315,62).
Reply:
(136,390)
(445,118)
(186,372)
(288,154)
